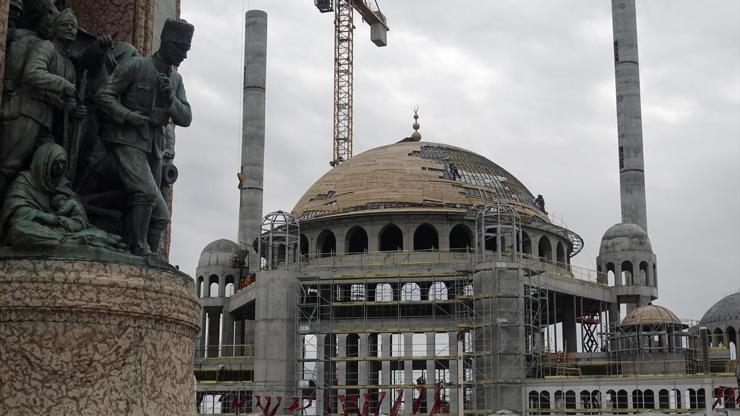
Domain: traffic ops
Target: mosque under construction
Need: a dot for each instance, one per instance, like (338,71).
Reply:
(422,278)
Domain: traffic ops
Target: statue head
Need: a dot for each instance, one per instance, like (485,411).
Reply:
(15,12)
(48,166)
(63,27)
(177,34)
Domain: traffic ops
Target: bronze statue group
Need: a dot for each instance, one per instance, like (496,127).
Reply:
(87,132)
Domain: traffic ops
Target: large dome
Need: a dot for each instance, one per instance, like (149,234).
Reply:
(219,253)
(724,313)
(415,176)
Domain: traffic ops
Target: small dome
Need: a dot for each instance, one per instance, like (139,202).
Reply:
(218,253)
(724,313)
(650,315)
(625,237)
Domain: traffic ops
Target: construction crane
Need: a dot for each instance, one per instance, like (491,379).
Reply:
(343,64)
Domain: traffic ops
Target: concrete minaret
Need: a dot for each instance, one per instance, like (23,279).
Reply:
(253,129)
(629,117)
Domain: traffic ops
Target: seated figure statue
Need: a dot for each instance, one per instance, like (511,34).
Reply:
(41,210)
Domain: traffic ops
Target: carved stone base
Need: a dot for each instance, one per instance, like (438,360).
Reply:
(85,337)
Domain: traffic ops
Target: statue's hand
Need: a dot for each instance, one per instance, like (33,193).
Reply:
(137,119)
(70,225)
(80,112)
(105,42)
(165,88)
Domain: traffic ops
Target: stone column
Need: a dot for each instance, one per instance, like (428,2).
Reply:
(321,388)
(454,382)
(239,350)
(214,325)
(363,367)
(341,363)
(386,372)
(408,372)
(201,351)
(431,373)
(570,337)
(227,334)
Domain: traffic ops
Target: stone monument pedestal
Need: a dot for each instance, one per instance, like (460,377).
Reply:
(110,335)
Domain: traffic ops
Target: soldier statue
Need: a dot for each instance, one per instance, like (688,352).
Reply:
(43,94)
(141,97)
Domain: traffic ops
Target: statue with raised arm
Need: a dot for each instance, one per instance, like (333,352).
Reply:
(142,97)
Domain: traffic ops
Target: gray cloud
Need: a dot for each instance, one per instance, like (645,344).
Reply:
(529,85)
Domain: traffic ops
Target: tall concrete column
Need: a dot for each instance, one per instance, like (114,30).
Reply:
(227,335)
(341,363)
(320,379)
(385,372)
(363,367)
(214,325)
(629,113)
(253,130)
(431,375)
(239,349)
(275,333)
(453,365)
(201,349)
(570,337)
(408,372)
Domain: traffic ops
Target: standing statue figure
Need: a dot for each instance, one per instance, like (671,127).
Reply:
(43,101)
(142,96)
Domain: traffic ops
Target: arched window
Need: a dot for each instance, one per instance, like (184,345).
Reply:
(596,399)
(611,399)
(357,292)
(545,400)
(622,401)
(732,341)
(644,274)
(438,291)
(304,246)
(410,291)
(611,278)
(534,401)
(627,273)
(229,290)
(426,238)
(383,292)
(326,244)
(526,243)
(586,399)
(560,252)
(213,286)
(664,399)
(559,399)
(701,398)
(461,238)
(719,339)
(199,286)
(491,240)
(356,240)
(679,399)
(570,399)
(545,249)
(649,398)
(391,238)
(638,399)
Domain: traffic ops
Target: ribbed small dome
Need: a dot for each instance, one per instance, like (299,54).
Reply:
(218,253)
(625,237)
(724,313)
(650,315)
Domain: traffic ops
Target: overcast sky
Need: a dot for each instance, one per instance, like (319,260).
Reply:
(528,84)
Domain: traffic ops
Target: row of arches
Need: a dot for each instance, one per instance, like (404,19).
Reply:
(427,237)
(390,238)
(724,338)
(215,286)
(616,399)
(625,273)
(387,292)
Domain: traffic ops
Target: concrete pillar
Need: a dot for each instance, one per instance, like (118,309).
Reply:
(570,338)
(214,325)
(629,113)
(275,332)
(453,365)
(321,387)
(222,286)
(253,130)
(201,349)
(363,367)
(227,335)
(385,371)
(431,338)
(239,349)
(341,363)
(408,373)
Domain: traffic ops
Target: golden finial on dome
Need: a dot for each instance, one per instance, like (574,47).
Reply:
(416,136)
